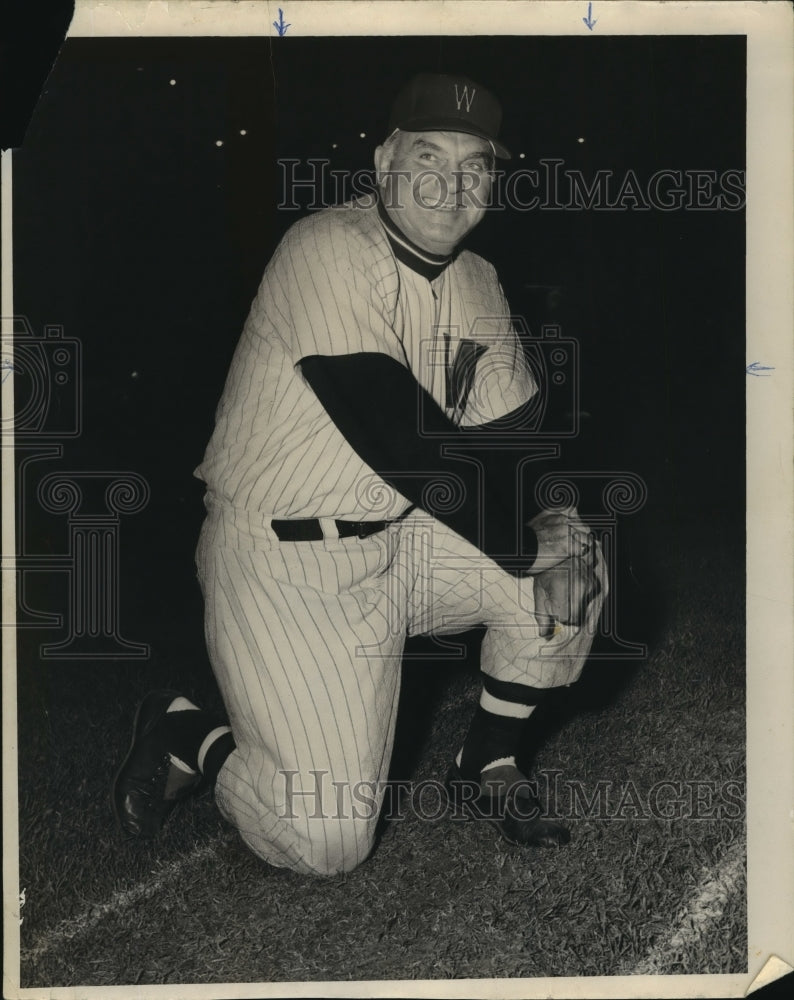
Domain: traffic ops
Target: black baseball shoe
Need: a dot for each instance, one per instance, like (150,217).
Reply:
(504,797)
(148,785)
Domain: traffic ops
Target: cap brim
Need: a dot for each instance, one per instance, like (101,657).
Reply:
(451,125)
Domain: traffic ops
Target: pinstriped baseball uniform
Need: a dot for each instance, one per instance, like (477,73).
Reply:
(334,286)
(305,638)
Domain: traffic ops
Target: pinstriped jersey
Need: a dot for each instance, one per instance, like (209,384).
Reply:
(333,287)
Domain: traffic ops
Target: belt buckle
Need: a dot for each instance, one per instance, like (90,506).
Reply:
(361,530)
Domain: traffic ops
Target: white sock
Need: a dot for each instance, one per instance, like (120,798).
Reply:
(181,765)
(207,742)
(180,704)
(512,709)
(507,709)
(501,762)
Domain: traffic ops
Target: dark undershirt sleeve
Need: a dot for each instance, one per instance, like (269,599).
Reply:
(375,402)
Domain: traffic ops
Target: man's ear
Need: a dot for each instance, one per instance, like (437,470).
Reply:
(382,161)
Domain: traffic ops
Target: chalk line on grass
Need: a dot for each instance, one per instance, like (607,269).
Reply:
(704,908)
(69,929)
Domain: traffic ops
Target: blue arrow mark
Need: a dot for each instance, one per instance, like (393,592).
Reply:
(279,25)
(756,368)
(589,20)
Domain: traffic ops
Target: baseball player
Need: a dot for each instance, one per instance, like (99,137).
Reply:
(343,515)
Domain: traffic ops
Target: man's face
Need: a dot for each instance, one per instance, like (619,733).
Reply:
(435,185)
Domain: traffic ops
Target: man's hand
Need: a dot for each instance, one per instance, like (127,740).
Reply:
(560,536)
(563,593)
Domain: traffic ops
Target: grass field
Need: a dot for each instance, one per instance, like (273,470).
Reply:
(644,886)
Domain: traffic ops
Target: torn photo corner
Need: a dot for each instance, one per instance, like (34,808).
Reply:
(597,331)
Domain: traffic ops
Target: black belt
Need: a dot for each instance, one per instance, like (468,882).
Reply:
(309,529)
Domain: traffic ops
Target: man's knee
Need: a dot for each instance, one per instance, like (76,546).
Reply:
(340,847)
(305,821)
(322,848)
(315,827)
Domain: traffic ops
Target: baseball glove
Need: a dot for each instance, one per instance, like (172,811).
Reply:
(564,592)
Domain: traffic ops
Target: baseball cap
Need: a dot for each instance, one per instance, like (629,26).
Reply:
(441,102)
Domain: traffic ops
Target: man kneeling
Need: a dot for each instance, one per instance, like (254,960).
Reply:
(330,535)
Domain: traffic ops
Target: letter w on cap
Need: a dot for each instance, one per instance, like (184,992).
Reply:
(465,97)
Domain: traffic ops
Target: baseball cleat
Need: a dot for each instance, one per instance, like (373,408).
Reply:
(505,799)
(148,784)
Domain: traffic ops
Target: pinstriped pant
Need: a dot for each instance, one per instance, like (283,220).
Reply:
(306,638)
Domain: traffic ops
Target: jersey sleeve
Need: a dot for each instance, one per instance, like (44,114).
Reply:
(352,390)
(329,286)
(501,381)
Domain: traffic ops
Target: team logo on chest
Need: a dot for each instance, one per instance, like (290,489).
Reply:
(460,373)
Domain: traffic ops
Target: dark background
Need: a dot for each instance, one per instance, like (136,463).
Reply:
(145,241)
